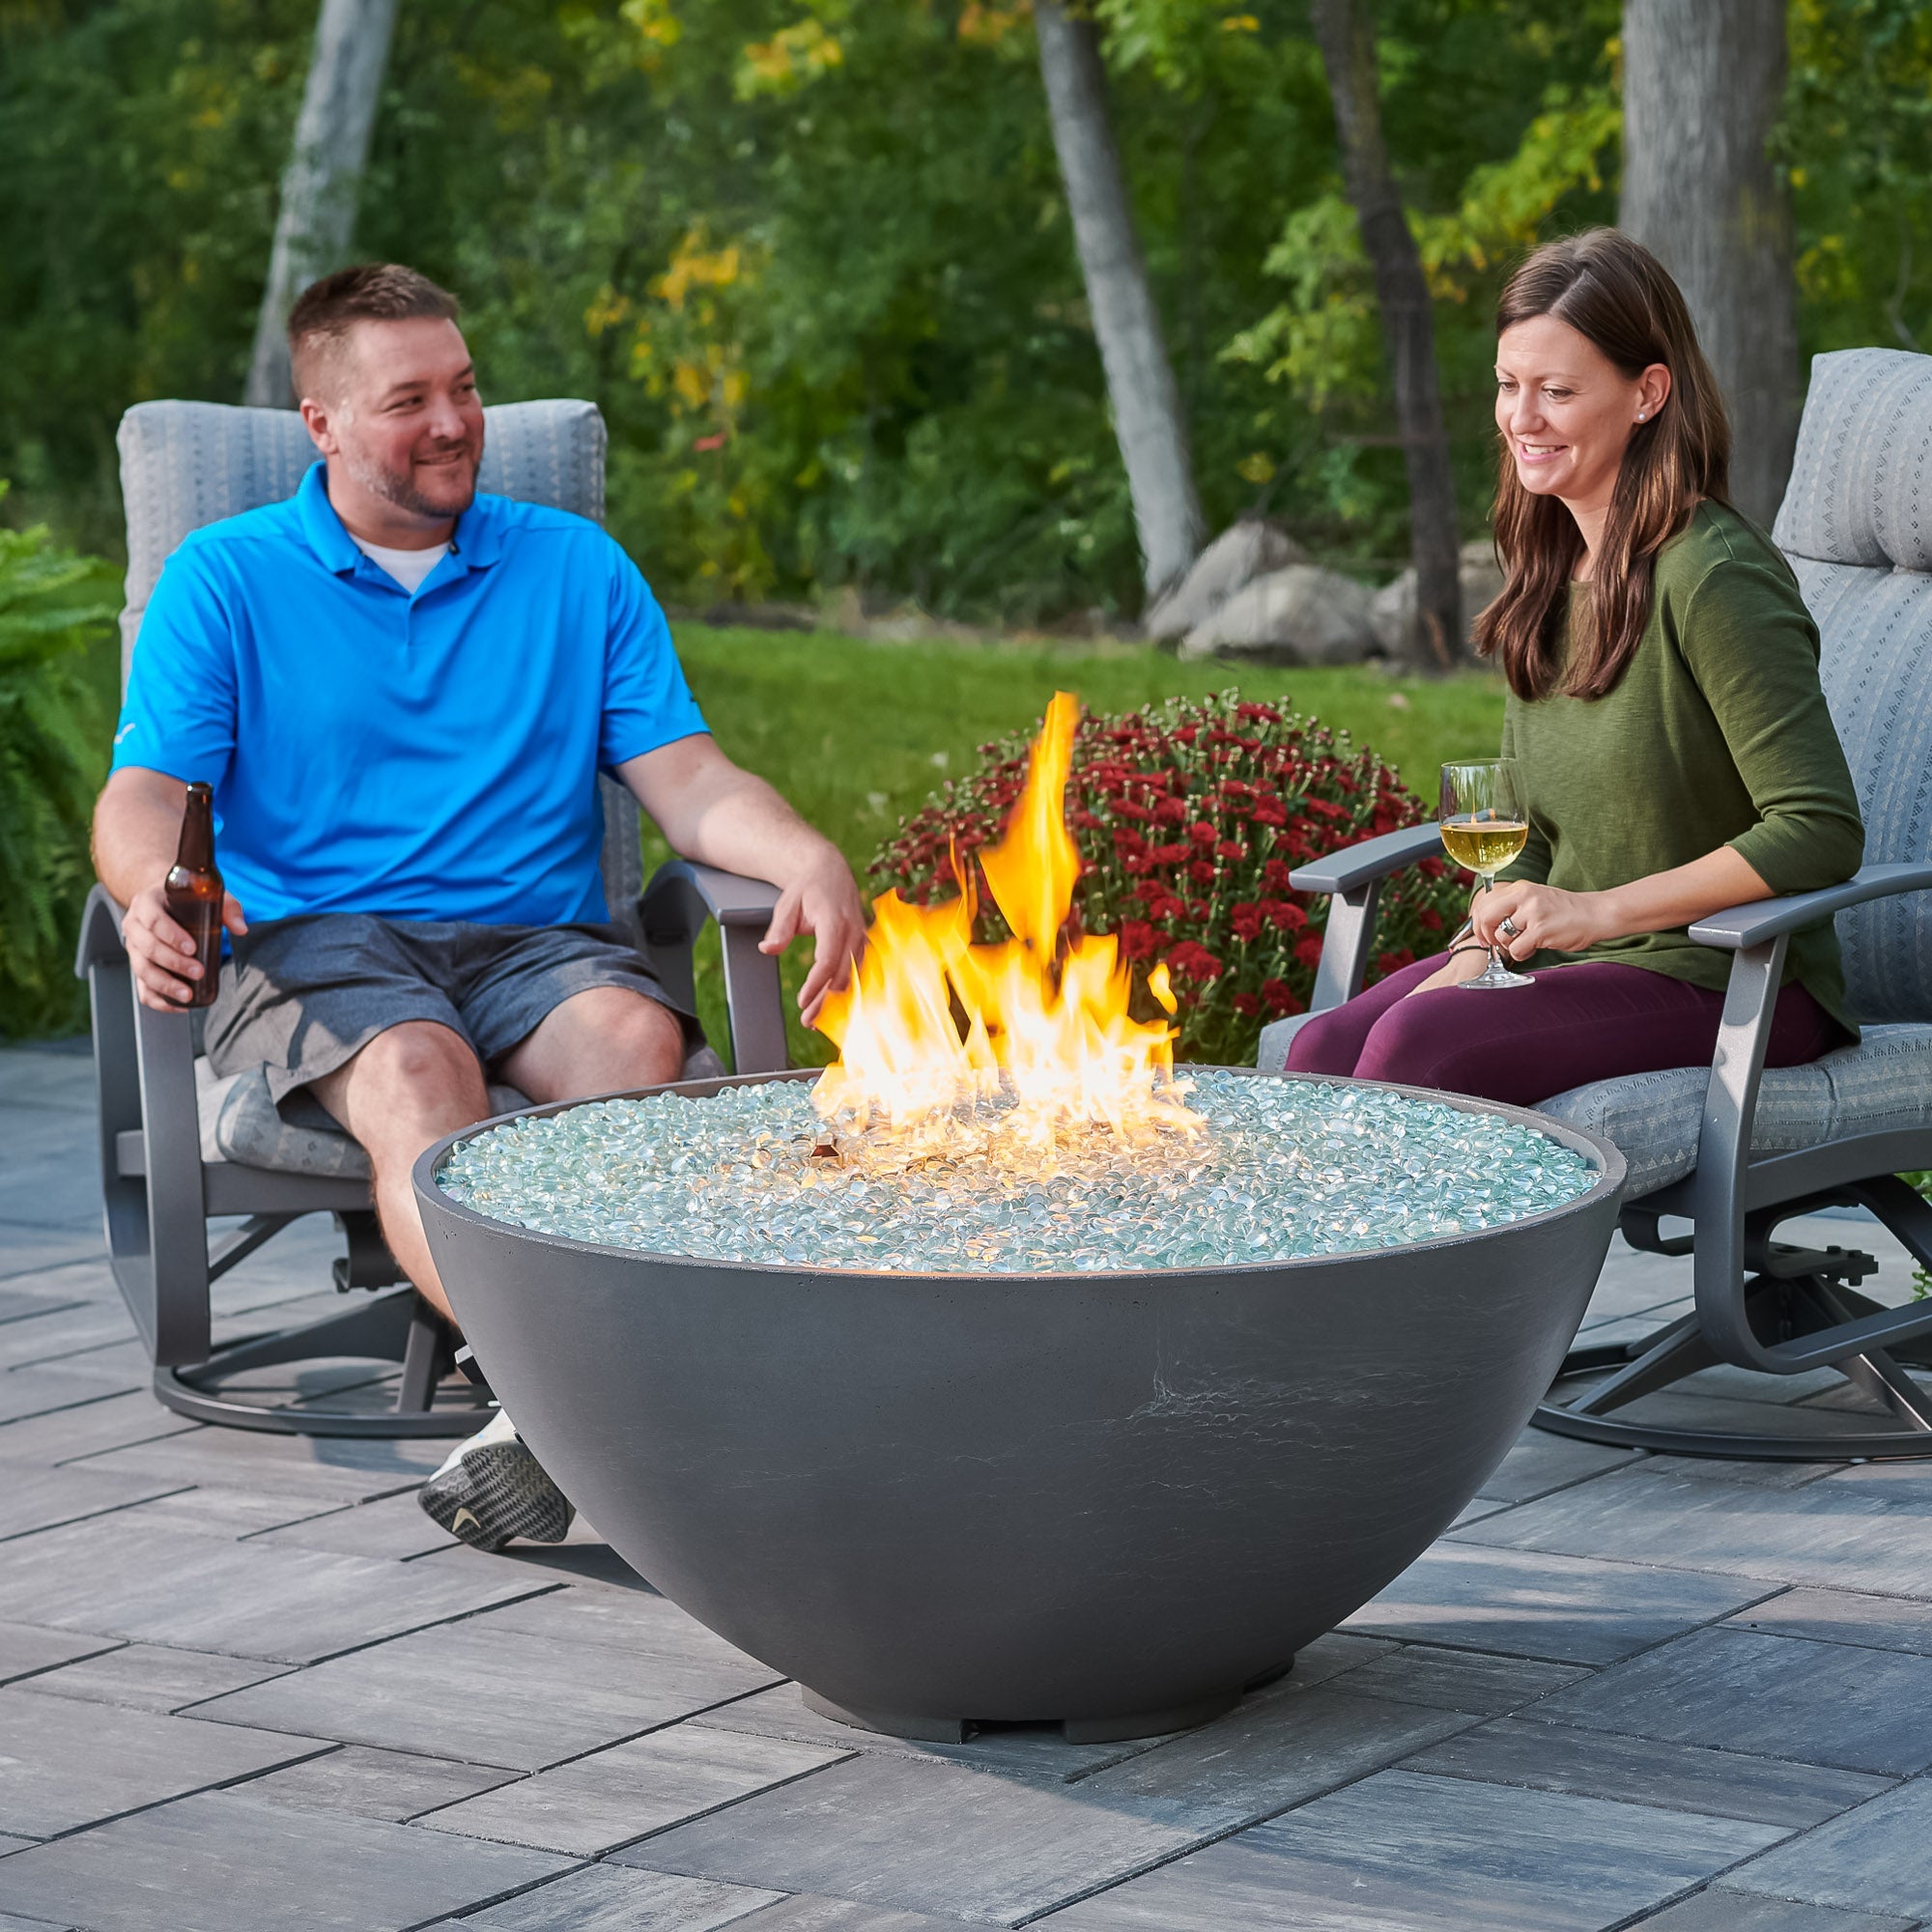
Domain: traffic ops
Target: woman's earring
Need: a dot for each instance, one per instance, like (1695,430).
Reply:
(1639,415)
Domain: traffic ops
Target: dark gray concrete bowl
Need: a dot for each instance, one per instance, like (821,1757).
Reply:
(1112,1501)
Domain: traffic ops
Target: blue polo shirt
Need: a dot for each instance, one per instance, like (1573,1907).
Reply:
(424,758)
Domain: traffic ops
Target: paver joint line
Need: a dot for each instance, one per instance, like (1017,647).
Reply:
(175,1797)
(442,1919)
(413,1630)
(90,1516)
(1234,1830)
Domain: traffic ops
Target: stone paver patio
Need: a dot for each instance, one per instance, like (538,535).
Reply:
(245,1685)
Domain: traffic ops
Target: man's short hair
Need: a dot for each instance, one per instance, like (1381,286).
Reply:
(326,311)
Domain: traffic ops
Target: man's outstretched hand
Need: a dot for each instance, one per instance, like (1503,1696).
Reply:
(824,901)
(161,952)
(721,815)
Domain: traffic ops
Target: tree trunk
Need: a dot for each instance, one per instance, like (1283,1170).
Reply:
(1148,419)
(1703,81)
(1346,32)
(317,218)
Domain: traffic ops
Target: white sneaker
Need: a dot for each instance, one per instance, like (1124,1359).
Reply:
(492,1489)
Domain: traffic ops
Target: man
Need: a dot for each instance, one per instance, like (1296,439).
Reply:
(402,693)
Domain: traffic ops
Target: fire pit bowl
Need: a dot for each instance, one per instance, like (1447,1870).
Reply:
(1110,1500)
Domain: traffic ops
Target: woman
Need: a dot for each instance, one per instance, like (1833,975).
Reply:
(1670,736)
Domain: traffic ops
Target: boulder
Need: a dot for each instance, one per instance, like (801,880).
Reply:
(1302,615)
(1393,609)
(1251,548)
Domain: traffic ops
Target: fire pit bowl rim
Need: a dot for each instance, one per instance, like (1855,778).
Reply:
(1611,1173)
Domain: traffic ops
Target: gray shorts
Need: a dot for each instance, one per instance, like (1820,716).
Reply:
(304,996)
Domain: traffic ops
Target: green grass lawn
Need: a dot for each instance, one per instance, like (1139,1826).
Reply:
(856,734)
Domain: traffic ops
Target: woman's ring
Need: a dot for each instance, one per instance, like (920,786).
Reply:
(1509,928)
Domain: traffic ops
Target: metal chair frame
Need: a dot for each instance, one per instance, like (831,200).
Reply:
(1760,1304)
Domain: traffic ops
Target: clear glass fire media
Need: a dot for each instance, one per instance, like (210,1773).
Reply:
(1280,1169)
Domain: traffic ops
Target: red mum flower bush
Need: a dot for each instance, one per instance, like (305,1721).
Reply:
(1188,817)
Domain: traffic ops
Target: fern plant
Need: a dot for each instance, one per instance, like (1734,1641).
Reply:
(54,726)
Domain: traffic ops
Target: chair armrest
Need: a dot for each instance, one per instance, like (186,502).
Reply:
(1356,866)
(144,1082)
(728,898)
(1756,924)
(670,915)
(1352,878)
(100,942)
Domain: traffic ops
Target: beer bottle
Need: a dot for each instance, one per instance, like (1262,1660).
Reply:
(194,892)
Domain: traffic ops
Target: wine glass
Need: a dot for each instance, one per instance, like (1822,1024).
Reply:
(1484,827)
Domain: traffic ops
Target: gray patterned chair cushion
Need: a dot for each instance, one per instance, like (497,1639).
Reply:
(1856,525)
(1883,1084)
(1860,486)
(239,1122)
(1877,671)
(1277,1036)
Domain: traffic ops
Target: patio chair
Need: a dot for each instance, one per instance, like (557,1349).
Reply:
(1732,1149)
(181,1150)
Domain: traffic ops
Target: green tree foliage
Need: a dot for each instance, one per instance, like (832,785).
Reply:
(144,143)
(53,755)
(812,258)
(1501,122)
(1857,141)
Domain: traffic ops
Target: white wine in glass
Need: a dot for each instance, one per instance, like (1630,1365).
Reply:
(1484,827)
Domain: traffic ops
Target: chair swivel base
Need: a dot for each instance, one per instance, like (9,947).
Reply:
(392,1327)
(1625,1373)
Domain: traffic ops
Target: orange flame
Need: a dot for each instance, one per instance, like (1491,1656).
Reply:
(931,1024)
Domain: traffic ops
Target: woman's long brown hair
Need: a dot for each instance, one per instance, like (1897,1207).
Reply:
(1617,294)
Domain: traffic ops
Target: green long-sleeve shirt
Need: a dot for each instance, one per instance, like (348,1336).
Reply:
(1717,735)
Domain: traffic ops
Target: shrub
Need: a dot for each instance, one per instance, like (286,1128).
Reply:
(54,729)
(1188,816)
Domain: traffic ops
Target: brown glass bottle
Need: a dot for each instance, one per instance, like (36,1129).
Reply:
(194,892)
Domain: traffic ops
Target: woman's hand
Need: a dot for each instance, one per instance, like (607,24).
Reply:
(1457,968)
(1542,918)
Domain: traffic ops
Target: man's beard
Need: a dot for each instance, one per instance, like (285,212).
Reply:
(398,487)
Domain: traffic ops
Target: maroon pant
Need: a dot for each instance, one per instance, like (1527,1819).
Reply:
(1577,1024)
